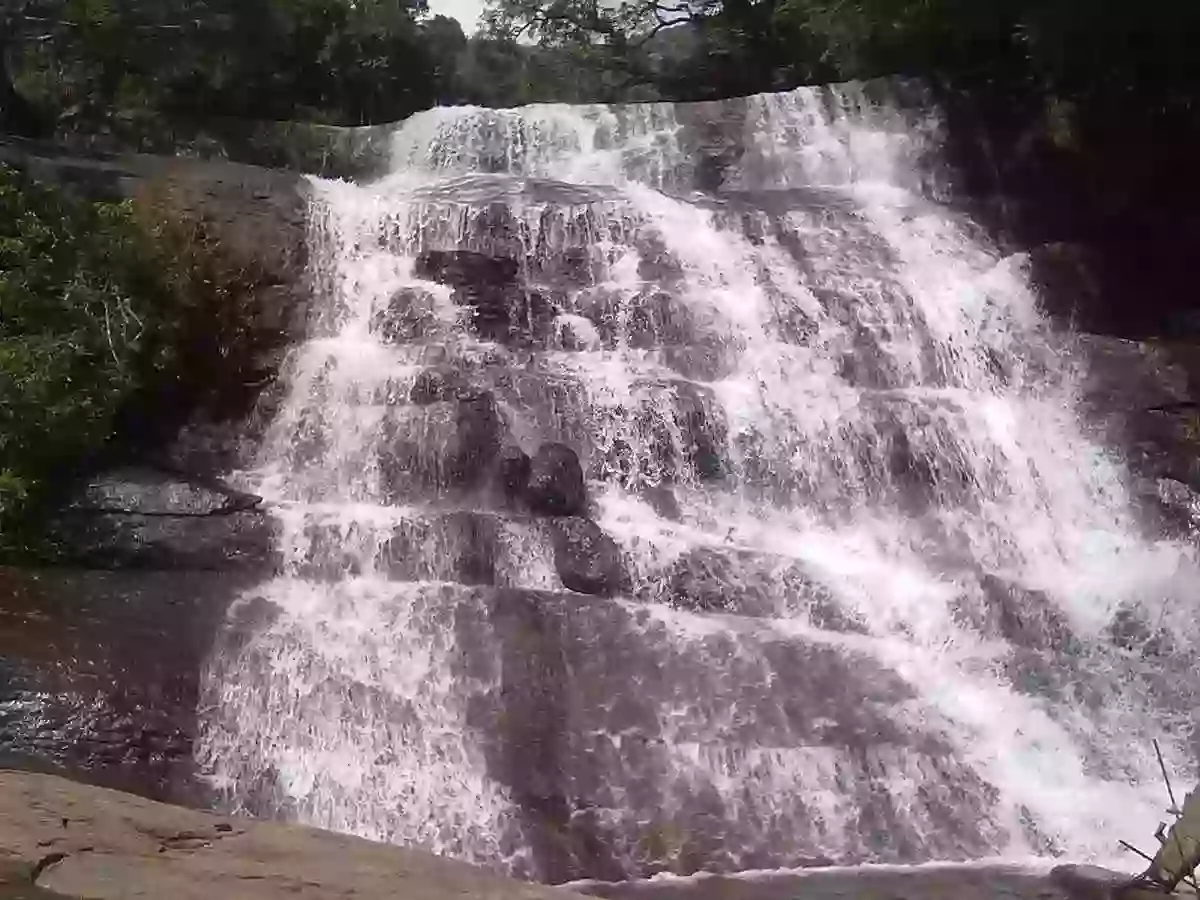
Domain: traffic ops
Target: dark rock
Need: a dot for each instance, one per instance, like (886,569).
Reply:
(556,485)
(1139,395)
(588,560)
(409,315)
(509,314)
(502,308)
(643,321)
(515,468)
(1064,276)
(656,264)
(575,334)
(436,385)
(146,518)
(748,583)
(710,580)
(466,268)
(705,430)
(1130,630)
(660,318)
(662,500)
(1022,616)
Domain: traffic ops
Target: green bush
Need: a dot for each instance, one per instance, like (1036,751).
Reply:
(77,297)
(116,322)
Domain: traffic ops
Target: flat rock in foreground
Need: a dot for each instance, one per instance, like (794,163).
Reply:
(82,841)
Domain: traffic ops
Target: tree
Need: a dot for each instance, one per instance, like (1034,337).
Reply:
(107,65)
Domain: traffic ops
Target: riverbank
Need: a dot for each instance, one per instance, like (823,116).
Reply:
(60,838)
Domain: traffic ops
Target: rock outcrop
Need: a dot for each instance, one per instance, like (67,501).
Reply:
(67,839)
(151,519)
(254,218)
(1141,397)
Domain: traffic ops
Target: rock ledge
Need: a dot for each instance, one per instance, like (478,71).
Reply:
(62,838)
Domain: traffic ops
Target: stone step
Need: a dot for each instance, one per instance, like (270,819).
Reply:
(450,435)
(467,547)
(910,449)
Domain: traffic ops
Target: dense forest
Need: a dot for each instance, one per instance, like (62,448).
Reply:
(121,66)
(96,299)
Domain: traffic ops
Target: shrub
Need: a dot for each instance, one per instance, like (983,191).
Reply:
(76,295)
(117,321)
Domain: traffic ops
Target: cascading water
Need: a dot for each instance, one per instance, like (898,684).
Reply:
(874,595)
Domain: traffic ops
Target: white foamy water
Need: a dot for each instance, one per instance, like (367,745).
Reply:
(870,440)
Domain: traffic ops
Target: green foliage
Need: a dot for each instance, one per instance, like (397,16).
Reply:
(1076,51)
(130,67)
(74,316)
(117,321)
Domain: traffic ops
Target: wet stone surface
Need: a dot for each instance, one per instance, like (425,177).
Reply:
(101,673)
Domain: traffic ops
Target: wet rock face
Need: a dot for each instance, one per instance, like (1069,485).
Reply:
(449,446)
(438,385)
(598,805)
(738,582)
(464,547)
(515,469)
(1139,396)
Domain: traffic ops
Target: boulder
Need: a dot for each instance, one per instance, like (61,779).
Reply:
(80,841)
(576,333)
(140,517)
(643,321)
(466,268)
(703,424)
(501,307)
(556,486)
(509,314)
(588,560)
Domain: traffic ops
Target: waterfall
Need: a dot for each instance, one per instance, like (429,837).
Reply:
(851,580)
